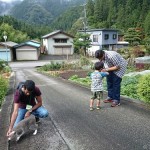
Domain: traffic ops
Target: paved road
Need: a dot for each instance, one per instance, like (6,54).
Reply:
(71,126)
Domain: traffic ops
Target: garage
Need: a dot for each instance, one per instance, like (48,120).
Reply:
(26,54)
(28,51)
(62,50)
(7,52)
(5,55)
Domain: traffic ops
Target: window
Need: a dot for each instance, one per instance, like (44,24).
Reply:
(95,38)
(106,36)
(114,36)
(60,40)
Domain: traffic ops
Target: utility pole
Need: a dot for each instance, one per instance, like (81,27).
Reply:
(85,25)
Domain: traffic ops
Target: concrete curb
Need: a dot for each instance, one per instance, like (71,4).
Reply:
(5,114)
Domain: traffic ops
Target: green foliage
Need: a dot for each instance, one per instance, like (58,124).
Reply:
(82,42)
(143,88)
(7,69)
(132,35)
(84,61)
(3,88)
(2,65)
(147,23)
(67,19)
(83,81)
(74,77)
(32,31)
(129,86)
(50,67)
(12,34)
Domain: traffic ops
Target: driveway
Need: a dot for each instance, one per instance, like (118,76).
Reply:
(71,126)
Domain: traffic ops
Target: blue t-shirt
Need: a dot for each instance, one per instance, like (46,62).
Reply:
(96,77)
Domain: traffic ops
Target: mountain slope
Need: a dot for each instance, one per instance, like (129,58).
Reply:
(42,11)
(5,7)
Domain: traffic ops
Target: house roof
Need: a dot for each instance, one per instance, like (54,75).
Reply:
(8,43)
(55,33)
(29,43)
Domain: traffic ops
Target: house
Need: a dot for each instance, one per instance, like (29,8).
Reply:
(103,39)
(58,43)
(7,52)
(121,44)
(29,50)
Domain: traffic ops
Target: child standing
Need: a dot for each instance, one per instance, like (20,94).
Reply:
(97,85)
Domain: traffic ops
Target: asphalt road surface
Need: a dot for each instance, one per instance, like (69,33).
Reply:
(72,126)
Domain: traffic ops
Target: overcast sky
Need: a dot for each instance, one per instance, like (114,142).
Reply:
(8,0)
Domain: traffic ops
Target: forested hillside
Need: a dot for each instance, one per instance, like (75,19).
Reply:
(42,11)
(19,31)
(120,14)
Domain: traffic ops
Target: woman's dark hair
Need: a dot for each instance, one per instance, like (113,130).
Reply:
(99,54)
(99,65)
(29,85)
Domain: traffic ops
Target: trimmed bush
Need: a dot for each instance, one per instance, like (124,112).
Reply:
(143,88)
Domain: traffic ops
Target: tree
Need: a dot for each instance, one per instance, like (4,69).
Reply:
(90,8)
(82,42)
(132,35)
(12,34)
(147,24)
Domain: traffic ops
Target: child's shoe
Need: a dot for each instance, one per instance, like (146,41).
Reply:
(91,108)
(98,108)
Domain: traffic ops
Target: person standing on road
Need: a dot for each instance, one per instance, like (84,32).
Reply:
(116,66)
(27,101)
(97,85)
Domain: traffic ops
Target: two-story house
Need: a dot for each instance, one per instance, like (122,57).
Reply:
(58,43)
(102,39)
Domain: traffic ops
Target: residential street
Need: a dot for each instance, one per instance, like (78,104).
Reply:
(72,126)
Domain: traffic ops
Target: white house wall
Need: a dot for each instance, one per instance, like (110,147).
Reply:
(51,45)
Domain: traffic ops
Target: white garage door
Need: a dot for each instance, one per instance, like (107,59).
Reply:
(26,55)
(62,50)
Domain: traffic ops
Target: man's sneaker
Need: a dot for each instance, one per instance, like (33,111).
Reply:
(37,119)
(114,104)
(98,108)
(108,101)
(91,108)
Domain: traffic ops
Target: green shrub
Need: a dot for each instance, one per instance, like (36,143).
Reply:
(3,88)
(143,88)
(7,69)
(74,77)
(129,86)
(2,64)
(84,81)
(50,67)
(84,61)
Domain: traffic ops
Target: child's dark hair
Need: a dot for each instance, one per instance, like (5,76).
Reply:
(99,65)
